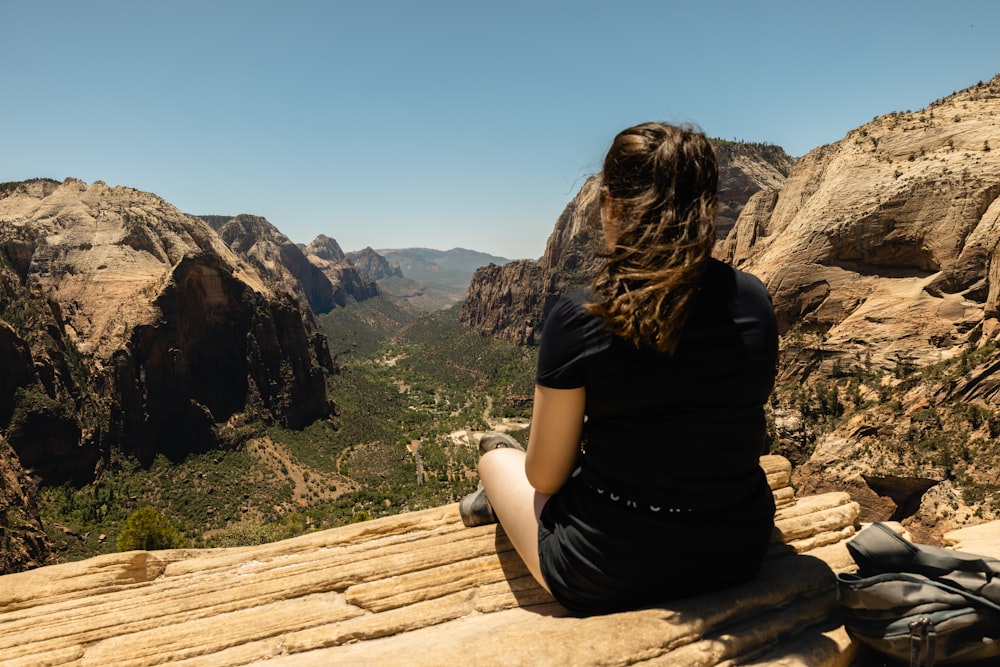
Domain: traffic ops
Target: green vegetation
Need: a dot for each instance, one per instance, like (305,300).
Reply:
(148,529)
(770,153)
(407,383)
(410,387)
(902,417)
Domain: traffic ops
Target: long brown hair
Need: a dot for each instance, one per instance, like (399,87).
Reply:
(660,185)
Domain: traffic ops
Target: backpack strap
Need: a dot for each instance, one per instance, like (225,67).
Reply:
(879,549)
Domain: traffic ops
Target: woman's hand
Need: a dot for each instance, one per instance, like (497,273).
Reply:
(556,428)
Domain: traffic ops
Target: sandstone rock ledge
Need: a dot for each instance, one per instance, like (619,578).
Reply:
(418,589)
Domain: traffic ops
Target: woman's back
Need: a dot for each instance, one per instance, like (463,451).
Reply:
(690,424)
(641,470)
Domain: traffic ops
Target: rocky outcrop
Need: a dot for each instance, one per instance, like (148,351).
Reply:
(219,349)
(419,589)
(15,359)
(880,252)
(373,265)
(511,302)
(48,410)
(143,328)
(279,261)
(325,248)
(23,543)
(746,169)
(325,254)
(885,241)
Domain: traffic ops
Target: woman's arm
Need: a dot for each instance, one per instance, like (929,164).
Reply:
(556,427)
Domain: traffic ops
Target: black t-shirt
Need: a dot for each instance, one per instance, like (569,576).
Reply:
(685,429)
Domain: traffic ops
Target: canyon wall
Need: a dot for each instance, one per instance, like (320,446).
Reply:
(129,324)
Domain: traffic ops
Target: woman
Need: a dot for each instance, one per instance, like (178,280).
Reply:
(641,480)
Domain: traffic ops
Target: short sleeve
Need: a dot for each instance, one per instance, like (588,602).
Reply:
(563,345)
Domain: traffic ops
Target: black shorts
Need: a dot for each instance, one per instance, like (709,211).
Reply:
(599,556)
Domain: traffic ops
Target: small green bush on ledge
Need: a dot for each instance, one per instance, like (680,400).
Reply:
(147,529)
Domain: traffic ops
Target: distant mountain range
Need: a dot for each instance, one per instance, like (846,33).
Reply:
(452,268)
(431,279)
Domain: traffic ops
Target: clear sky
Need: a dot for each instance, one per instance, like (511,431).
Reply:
(469,124)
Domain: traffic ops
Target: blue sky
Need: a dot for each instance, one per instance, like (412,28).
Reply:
(444,124)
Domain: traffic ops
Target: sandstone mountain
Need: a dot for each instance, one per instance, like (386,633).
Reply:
(281,263)
(901,212)
(511,301)
(881,255)
(129,324)
(347,279)
(744,170)
(374,265)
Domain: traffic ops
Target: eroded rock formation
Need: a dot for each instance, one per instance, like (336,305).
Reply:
(23,543)
(886,240)
(130,324)
(420,589)
(325,254)
(279,261)
(744,170)
(373,265)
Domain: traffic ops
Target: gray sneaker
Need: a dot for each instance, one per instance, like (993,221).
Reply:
(494,440)
(476,510)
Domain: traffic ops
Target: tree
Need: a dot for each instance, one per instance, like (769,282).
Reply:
(148,529)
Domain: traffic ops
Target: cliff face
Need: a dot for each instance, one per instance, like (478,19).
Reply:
(325,254)
(511,301)
(886,241)
(219,349)
(130,324)
(745,170)
(281,263)
(880,252)
(23,543)
(373,265)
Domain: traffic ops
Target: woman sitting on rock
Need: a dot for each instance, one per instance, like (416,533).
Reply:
(641,480)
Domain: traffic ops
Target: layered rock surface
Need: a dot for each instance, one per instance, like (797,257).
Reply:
(419,589)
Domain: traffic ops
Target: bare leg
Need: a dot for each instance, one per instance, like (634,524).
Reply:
(515,502)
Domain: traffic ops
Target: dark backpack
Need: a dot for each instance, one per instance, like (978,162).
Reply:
(918,603)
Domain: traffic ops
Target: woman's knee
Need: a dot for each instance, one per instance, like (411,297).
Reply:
(504,462)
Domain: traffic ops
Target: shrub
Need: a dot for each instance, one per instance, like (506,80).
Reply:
(248,533)
(148,529)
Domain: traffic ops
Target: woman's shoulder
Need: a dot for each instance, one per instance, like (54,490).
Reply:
(571,306)
(569,319)
(725,277)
